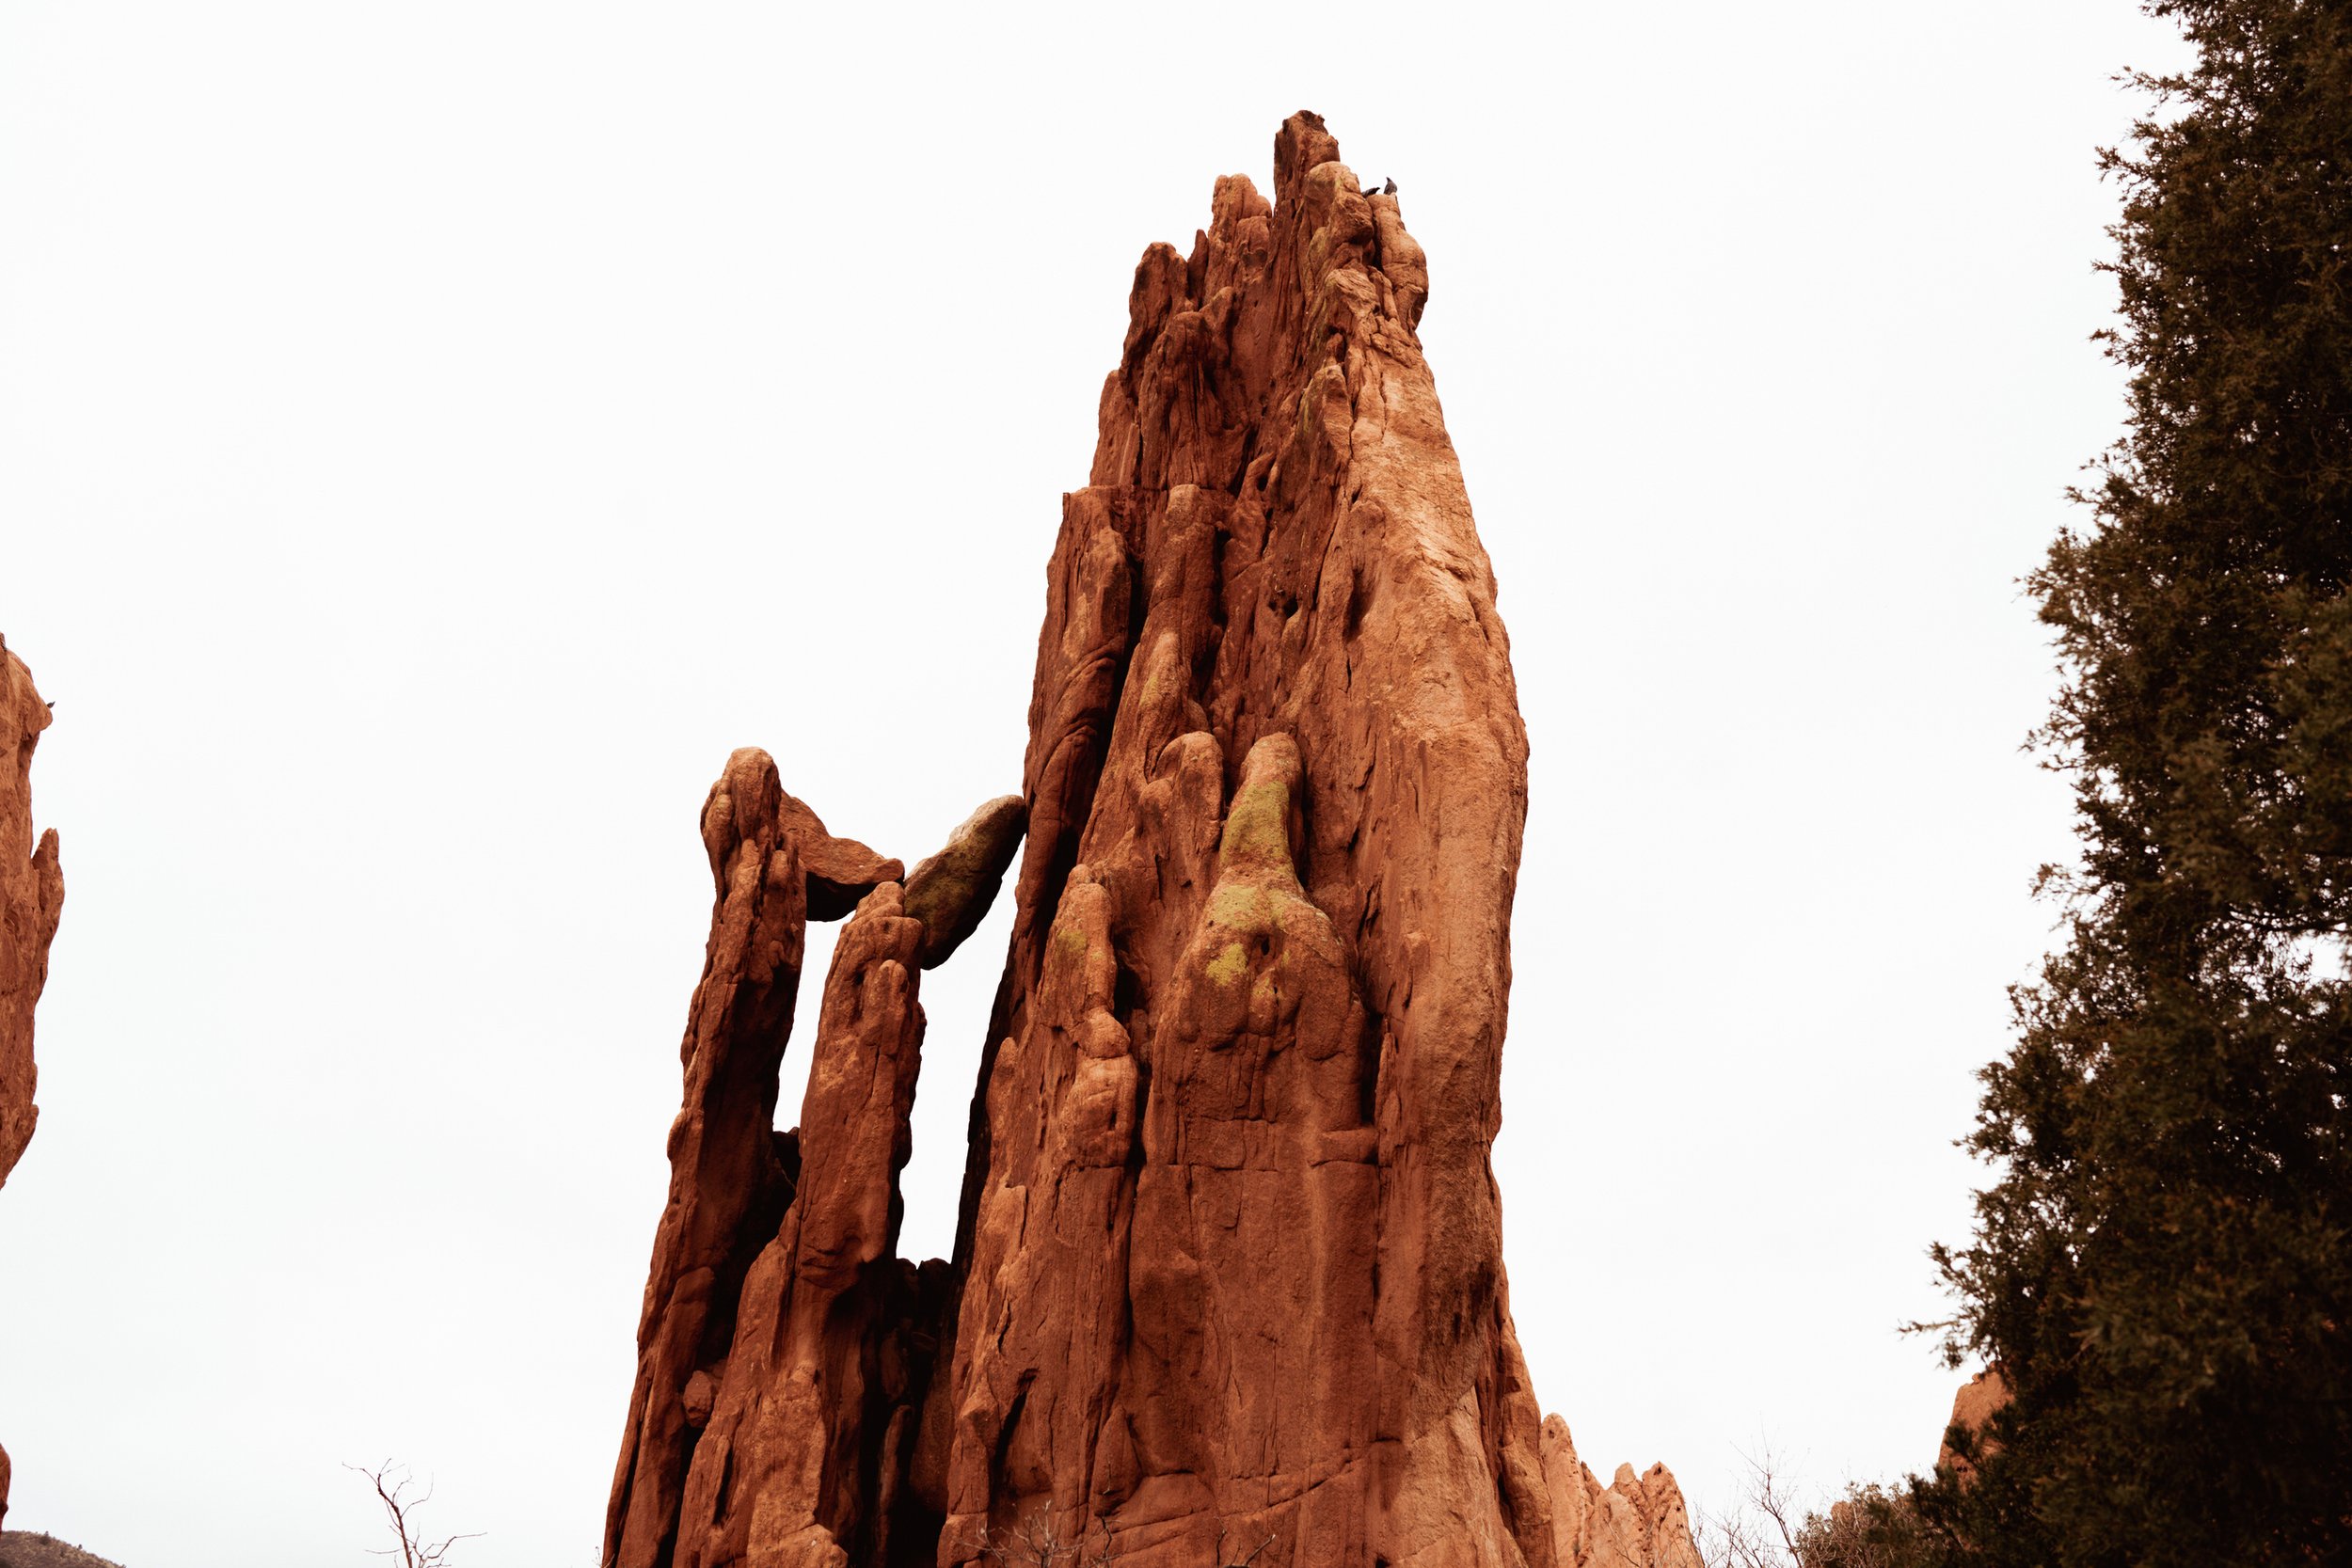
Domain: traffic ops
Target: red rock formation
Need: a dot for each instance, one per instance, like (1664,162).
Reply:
(32,892)
(774,1310)
(1229,1272)
(731,1175)
(1289,1312)
(1973,1408)
(1634,1522)
(823,1379)
(950,892)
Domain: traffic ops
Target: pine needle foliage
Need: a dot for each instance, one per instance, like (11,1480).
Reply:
(2163,1266)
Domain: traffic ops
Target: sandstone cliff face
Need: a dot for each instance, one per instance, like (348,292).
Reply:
(1229,1274)
(32,892)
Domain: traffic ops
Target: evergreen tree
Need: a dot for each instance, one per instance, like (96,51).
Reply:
(2163,1267)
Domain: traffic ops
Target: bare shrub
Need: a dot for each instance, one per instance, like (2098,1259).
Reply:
(1037,1543)
(392,1483)
(1772,1526)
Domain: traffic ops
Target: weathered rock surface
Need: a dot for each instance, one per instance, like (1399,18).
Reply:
(1229,1277)
(812,1411)
(774,1303)
(950,892)
(1633,1522)
(731,1175)
(840,871)
(32,894)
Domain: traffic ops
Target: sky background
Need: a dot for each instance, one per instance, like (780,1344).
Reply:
(432,435)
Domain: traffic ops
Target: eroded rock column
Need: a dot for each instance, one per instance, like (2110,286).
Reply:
(731,1174)
(785,1350)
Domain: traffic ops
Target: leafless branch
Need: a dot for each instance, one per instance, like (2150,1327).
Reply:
(1771,1526)
(392,1483)
(1760,1530)
(1223,1562)
(1037,1543)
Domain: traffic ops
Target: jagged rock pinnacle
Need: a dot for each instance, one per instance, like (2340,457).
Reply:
(1229,1258)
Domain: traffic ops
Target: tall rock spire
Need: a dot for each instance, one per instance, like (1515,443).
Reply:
(1229,1268)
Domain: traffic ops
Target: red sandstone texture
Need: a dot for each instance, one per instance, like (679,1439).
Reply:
(32,892)
(1229,1275)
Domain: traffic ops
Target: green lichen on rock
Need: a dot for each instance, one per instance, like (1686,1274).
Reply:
(950,892)
(1242,906)
(1256,836)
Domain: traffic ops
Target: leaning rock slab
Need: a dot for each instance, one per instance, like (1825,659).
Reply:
(950,892)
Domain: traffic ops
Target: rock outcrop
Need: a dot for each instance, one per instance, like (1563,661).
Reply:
(733,1177)
(32,892)
(950,892)
(1633,1522)
(1973,1409)
(1228,1283)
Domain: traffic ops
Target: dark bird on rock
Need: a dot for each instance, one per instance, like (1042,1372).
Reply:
(1388,188)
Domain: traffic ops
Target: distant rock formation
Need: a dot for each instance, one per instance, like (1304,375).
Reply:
(32,892)
(1636,1521)
(1228,1283)
(1973,1408)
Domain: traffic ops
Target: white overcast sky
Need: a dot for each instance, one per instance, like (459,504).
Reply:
(432,434)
